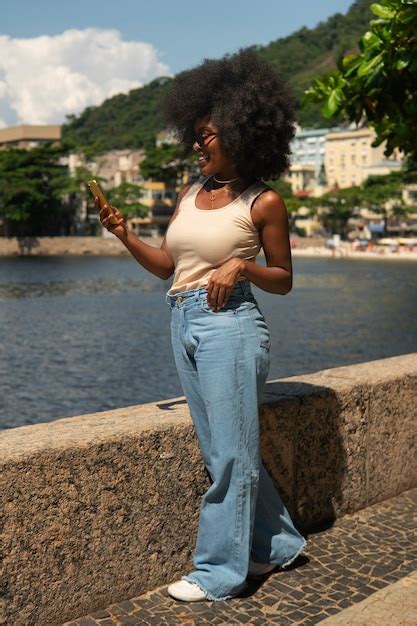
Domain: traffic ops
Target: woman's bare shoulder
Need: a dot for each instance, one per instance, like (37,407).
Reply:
(268,207)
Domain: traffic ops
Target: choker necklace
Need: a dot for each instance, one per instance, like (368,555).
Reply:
(213,192)
(232,180)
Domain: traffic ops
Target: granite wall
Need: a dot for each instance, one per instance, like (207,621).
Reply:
(98,508)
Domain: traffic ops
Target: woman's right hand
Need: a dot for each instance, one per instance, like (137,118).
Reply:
(119,227)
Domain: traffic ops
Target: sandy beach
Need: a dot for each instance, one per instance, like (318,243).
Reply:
(381,253)
(58,246)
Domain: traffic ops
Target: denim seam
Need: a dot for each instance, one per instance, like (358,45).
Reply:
(304,544)
(211,312)
(206,308)
(261,343)
(238,520)
(254,475)
(248,314)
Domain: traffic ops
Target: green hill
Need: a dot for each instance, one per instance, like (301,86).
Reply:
(132,120)
(123,121)
(307,53)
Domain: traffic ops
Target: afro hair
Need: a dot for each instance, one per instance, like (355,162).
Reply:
(249,102)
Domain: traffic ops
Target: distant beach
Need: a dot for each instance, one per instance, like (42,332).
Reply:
(96,246)
(348,252)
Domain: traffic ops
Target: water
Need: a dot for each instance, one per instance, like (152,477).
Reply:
(85,334)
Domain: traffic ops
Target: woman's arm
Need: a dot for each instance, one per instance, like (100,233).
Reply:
(270,214)
(156,260)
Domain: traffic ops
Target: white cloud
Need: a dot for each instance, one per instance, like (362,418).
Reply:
(44,78)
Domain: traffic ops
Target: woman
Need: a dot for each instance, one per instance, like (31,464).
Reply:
(237,115)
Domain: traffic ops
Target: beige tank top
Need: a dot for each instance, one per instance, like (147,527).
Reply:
(201,240)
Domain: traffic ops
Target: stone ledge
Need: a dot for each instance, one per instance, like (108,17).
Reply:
(105,506)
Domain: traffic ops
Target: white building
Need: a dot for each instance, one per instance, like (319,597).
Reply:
(308,147)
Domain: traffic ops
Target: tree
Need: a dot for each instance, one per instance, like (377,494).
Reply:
(126,197)
(78,198)
(339,207)
(378,83)
(32,188)
(383,195)
(294,203)
(380,194)
(166,164)
(281,186)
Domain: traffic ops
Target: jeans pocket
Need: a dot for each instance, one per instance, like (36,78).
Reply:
(230,308)
(262,329)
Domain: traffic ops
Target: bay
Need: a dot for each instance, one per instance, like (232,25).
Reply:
(86,334)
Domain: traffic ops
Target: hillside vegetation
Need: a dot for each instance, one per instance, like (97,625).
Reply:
(132,120)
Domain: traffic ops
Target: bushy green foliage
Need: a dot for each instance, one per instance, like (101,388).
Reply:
(340,206)
(376,190)
(379,83)
(167,164)
(380,194)
(127,198)
(76,186)
(383,195)
(33,184)
(281,186)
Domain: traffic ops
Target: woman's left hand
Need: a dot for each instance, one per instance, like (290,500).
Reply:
(222,281)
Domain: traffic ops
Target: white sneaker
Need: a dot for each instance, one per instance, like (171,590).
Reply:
(260,569)
(186,591)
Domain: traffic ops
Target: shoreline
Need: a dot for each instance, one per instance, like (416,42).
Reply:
(111,246)
(382,255)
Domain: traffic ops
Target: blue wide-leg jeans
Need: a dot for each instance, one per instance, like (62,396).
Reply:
(222,360)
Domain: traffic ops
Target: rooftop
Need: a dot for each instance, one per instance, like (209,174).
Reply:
(26,132)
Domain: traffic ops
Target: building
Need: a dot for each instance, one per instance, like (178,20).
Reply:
(115,166)
(28,136)
(307,173)
(409,195)
(308,147)
(383,168)
(161,202)
(350,157)
(118,166)
(327,158)
(305,224)
(302,177)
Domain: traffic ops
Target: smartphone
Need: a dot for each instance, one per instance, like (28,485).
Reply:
(97,191)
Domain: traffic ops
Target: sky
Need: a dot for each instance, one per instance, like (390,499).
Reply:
(57,58)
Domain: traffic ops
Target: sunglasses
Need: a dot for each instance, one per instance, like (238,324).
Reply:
(200,139)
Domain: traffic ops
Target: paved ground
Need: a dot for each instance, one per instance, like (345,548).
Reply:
(341,567)
(395,604)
